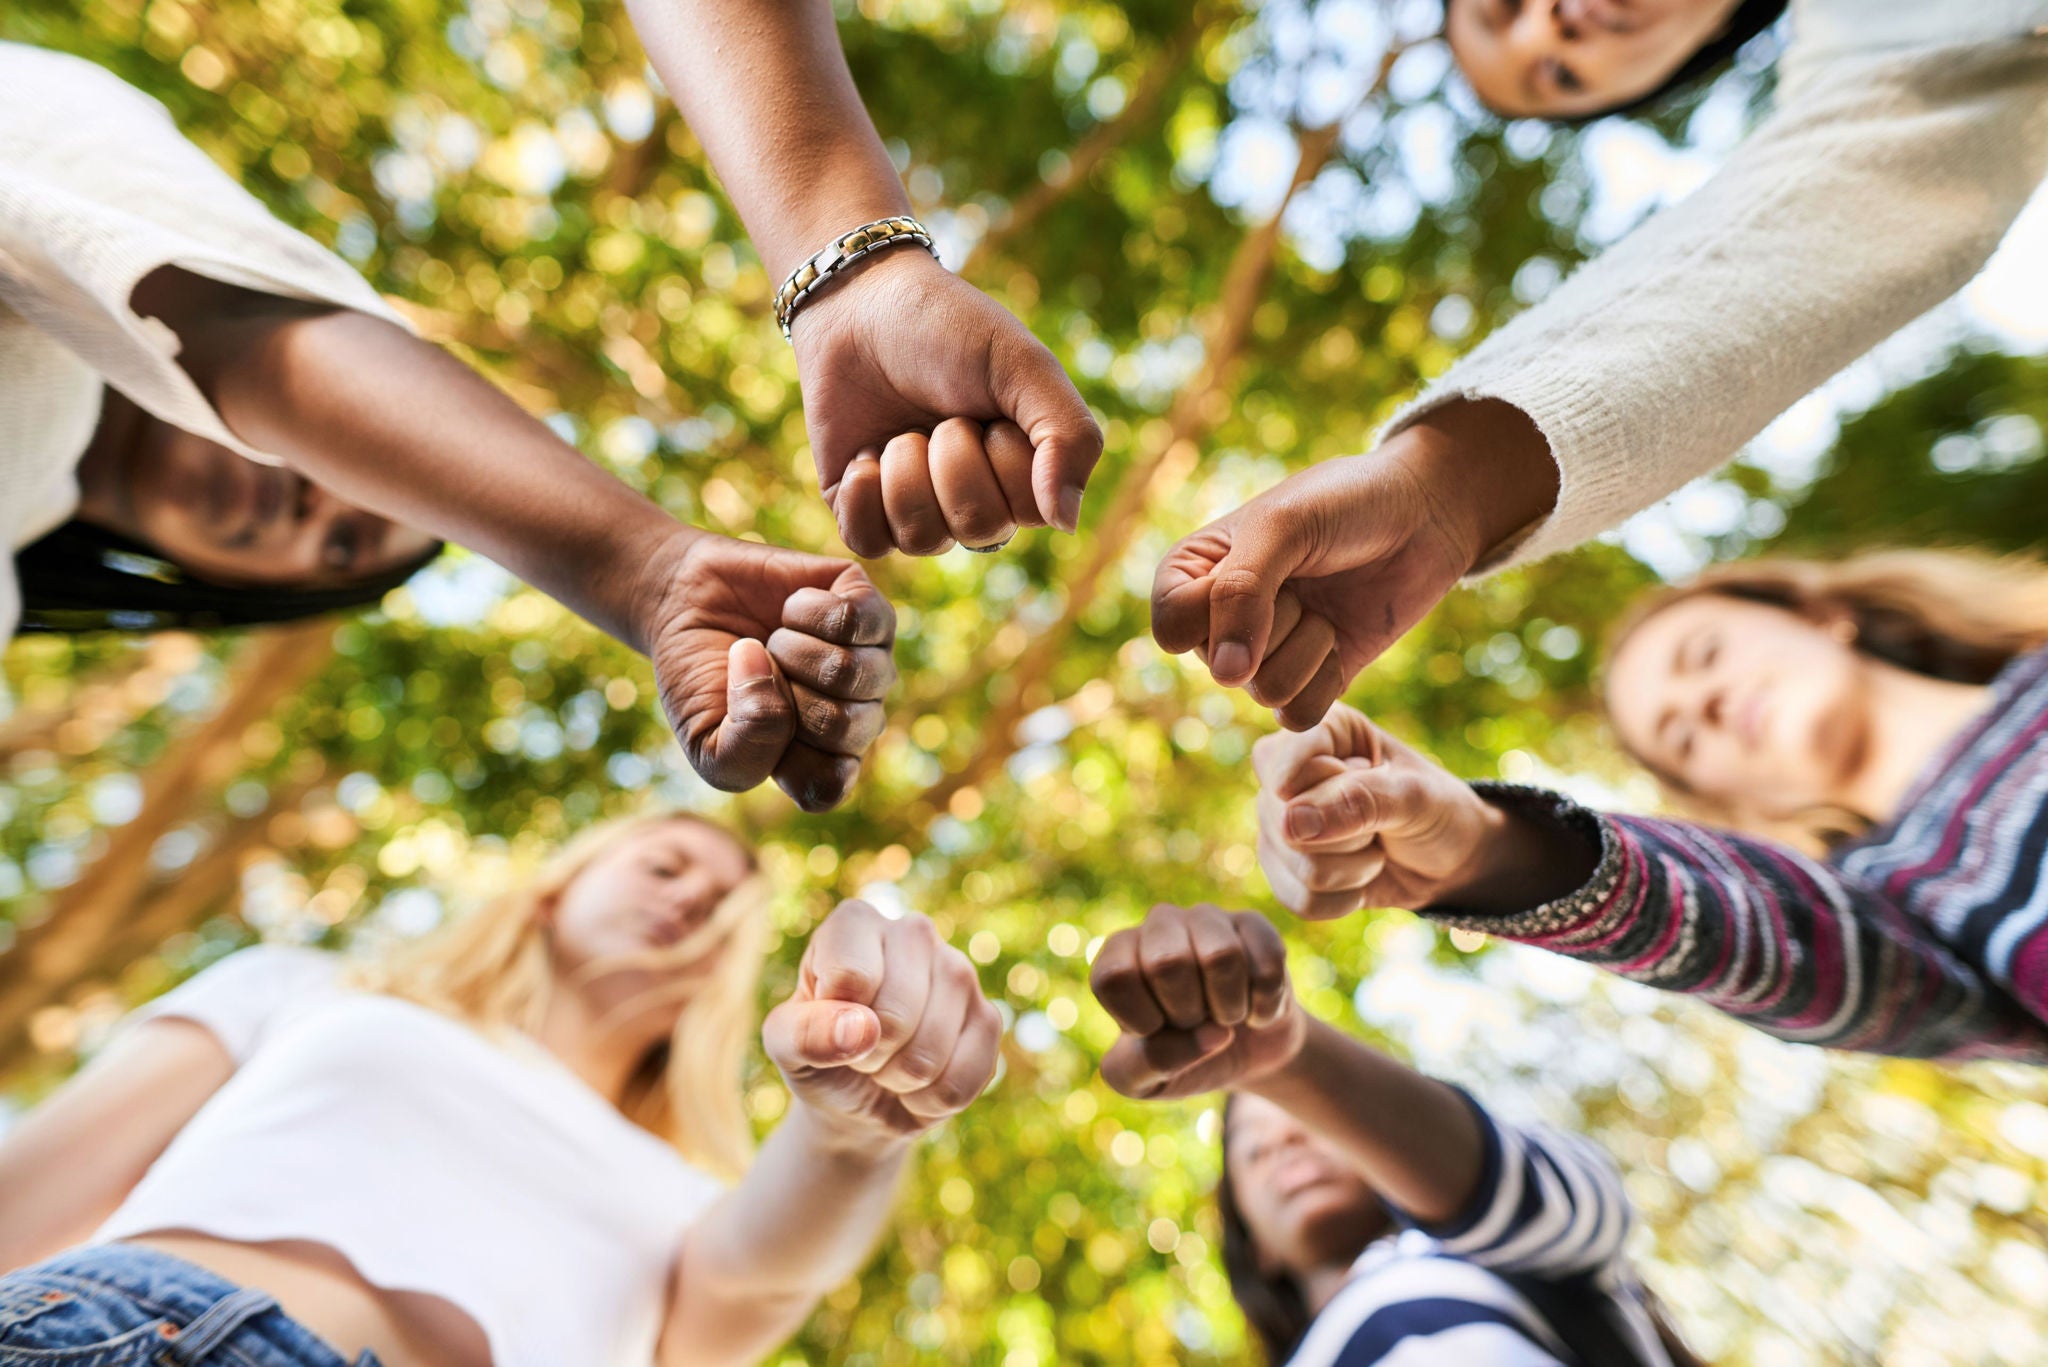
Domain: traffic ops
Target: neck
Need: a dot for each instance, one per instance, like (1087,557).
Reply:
(597,1036)
(1320,1285)
(1912,718)
(105,472)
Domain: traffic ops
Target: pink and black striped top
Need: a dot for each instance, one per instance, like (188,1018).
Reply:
(1926,938)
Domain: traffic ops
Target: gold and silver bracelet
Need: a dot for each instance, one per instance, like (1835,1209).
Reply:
(813,275)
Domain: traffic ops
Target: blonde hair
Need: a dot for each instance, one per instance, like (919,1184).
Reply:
(1957,615)
(492,969)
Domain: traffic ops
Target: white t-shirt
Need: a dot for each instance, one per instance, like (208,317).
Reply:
(98,189)
(435,1159)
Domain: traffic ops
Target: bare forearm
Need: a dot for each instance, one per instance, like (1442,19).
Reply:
(395,425)
(1414,1139)
(803,1220)
(765,87)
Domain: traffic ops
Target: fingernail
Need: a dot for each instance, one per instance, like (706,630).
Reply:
(1070,508)
(1304,823)
(1231,660)
(846,1033)
(1211,1036)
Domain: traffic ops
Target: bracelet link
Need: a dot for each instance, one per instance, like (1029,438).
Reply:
(832,259)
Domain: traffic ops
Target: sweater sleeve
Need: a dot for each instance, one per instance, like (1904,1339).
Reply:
(1787,944)
(1548,1205)
(1879,187)
(98,189)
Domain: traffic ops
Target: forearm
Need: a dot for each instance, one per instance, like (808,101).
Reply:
(1777,940)
(1414,1139)
(803,1220)
(395,425)
(766,88)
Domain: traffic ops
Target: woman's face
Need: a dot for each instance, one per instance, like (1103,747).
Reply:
(644,895)
(231,521)
(1566,58)
(1746,704)
(1306,1208)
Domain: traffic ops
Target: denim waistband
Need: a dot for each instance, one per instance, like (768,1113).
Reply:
(184,1292)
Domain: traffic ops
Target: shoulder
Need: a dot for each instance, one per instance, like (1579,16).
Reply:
(241,997)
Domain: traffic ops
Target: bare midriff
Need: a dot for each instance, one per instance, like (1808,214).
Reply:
(322,1290)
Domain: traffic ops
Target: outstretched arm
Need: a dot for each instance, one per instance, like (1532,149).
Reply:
(771,663)
(1350,817)
(934,414)
(887,1036)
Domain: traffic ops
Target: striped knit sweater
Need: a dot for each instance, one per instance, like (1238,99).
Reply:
(1926,938)
(1540,1241)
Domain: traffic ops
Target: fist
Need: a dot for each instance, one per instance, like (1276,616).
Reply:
(771,664)
(935,415)
(1203,1001)
(1350,817)
(888,1029)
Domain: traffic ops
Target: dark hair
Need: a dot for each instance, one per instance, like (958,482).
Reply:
(1751,17)
(1272,1302)
(83,578)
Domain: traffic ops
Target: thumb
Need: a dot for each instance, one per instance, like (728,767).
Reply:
(819,1034)
(1353,804)
(759,722)
(1033,390)
(1242,591)
(1141,1066)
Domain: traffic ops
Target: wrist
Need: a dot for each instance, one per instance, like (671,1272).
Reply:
(896,267)
(1301,1071)
(1484,470)
(651,566)
(820,219)
(851,1145)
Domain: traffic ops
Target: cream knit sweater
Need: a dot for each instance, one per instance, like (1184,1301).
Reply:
(98,189)
(1908,135)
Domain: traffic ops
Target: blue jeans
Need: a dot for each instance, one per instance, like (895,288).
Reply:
(121,1306)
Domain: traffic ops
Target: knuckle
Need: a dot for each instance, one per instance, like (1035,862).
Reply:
(1236,586)
(920,1067)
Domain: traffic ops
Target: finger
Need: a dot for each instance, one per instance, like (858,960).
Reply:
(760,720)
(1180,589)
(1308,646)
(818,1034)
(1323,871)
(857,503)
(909,946)
(844,961)
(1364,799)
(853,612)
(1242,589)
(950,994)
(1286,616)
(916,524)
(816,780)
(1118,981)
(1144,1066)
(970,497)
(835,726)
(1033,390)
(1265,955)
(1309,706)
(849,673)
(1170,968)
(968,1071)
(1009,455)
(1219,953)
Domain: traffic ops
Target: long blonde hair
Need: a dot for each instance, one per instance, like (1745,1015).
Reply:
(491,969)
(1958,615)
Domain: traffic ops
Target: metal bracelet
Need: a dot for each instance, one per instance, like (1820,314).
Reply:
(811,276)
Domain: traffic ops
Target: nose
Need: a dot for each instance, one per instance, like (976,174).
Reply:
(1539,30)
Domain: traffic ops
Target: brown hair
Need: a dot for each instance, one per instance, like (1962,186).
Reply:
(1948,614)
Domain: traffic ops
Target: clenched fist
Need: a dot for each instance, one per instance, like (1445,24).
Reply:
(770,663)
(1203,1000)
(888,1030)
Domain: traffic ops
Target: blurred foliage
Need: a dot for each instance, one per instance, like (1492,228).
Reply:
(510,172)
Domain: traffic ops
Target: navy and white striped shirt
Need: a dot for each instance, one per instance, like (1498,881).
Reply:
(1546,1224)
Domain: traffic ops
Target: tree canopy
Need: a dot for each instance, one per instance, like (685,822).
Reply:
(1249,233)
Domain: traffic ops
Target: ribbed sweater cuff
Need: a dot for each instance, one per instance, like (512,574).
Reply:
(1594,485)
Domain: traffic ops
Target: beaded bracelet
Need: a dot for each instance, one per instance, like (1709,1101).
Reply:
(811,276)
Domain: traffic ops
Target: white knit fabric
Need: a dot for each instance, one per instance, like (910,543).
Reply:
(1907,137)
(98,189)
